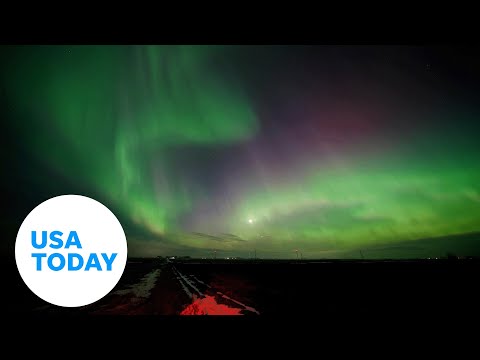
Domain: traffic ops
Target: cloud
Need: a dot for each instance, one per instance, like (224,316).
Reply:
(220,238)
(328,215)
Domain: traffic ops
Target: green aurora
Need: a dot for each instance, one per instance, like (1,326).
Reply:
(112,118)
(106,112)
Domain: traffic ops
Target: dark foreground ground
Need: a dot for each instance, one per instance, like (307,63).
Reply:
(321,288)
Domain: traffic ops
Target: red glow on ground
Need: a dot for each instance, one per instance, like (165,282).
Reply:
(208,306)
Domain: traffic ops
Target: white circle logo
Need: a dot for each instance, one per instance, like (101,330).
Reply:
(71,250)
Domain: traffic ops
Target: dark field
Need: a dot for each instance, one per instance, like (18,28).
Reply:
(279,288)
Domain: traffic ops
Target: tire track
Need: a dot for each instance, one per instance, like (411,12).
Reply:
(191,285)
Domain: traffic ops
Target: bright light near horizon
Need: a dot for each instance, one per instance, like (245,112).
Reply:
(250,221)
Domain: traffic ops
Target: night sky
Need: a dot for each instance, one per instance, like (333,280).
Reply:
(335,151)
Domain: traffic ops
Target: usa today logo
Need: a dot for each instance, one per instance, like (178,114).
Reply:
(71,250)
